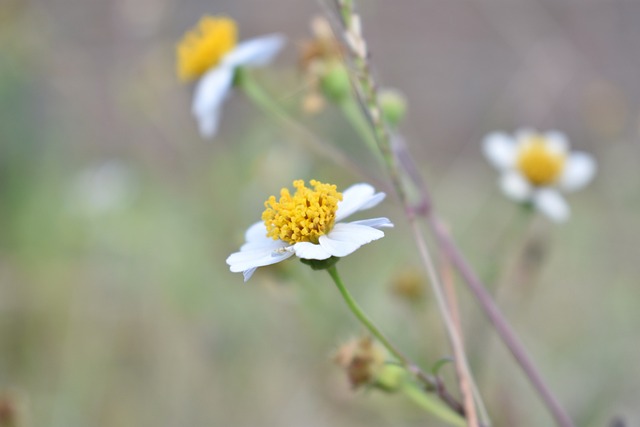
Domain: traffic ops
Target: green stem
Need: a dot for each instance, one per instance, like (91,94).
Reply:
(258,95)
(441,410)
(432,405)
(364,319)
(353,113)
(264,101)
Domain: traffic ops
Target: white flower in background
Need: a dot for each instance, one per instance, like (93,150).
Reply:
(105,188)
(307,224)
(536,167)
(210,53)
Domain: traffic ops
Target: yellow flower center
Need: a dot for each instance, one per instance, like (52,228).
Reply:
(538,163)
(204,46)
(304,216)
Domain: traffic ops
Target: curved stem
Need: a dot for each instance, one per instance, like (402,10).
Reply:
(363,318)
(432,383)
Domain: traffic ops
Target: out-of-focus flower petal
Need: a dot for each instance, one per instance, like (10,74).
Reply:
(210,93)
(579,171)
(515,186)
(500,149)
(551,203)
(557,142)
(255,52)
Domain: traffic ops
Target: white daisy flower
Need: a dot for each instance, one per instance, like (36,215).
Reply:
(536,167)
(210,53)
(308,224)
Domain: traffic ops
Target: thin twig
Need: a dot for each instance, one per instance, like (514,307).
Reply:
(501,325)
(462,367)
(367,91)
(466,381)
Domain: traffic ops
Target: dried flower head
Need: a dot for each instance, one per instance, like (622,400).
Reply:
(362,360)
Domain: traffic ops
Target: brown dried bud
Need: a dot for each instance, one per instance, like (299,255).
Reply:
(362,359)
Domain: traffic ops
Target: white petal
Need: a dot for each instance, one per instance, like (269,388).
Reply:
(500,149)
(346,238)
(255,52)
(256,237)
(515,186)
(375,222)
(373,201)
(248,273)
(212,89)
(338,248)
(523,135)
(356,198)
(552,204)
(578,171)
(557,142)
(247,259)
(309,250)
(265,243)
(257,232)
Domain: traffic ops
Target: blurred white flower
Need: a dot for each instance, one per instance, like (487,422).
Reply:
(307,224)
(107,187)
(210,53)
(536,167)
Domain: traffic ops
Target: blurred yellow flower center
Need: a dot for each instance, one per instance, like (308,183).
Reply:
(304,216)
(204,46)
(538,163)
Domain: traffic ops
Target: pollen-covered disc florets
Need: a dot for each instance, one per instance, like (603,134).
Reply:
(203,47)
(538,162)
(303,216)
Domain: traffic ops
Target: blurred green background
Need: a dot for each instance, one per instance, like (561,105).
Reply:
(116,305)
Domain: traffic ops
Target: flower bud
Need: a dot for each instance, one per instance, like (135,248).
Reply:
(335,83)
(391,377)
(394,106)
(409,285)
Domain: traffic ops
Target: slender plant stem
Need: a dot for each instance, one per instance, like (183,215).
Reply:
(373,329)
(501,325)
(263,100)
(467,383)
(354,115)
(367,90)
(363,318)
(462,366)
